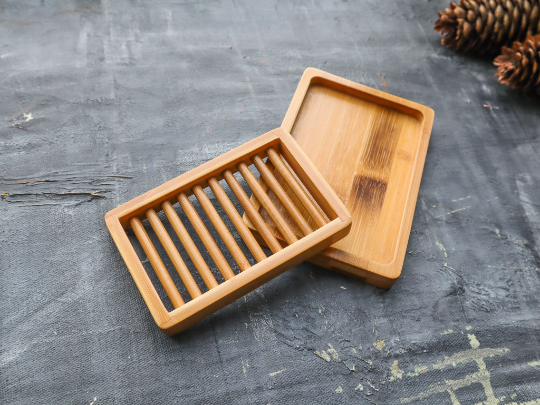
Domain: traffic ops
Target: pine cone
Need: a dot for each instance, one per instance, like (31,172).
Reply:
(484,26)
(519,66)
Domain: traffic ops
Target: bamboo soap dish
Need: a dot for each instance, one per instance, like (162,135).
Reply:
(222,286)
(370,146)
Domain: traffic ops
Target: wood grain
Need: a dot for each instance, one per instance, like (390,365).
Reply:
(278,190)
(236,219)
(206,237)
(221,229)
(172,252)
(189,245)
(267,204)
(269,239)
(295,187)
(157,264)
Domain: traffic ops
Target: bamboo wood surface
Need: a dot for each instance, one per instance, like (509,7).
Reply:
(189,245)
(157,264)
(370,146)
(267,204)
(282,195)
(204,303)
(236,219)
(221,229)
(206,238)
(253,214)
(173,254)
(296,188)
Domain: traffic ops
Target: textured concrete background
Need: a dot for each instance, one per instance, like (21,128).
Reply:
(95,90)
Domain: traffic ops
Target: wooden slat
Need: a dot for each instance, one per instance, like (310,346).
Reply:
(236,219)
(174,255)
(296,188)
(221,228)
(267,204)
(137,270)
(274,185)
(253,214)
(189,245)
(206,238)
(157,264)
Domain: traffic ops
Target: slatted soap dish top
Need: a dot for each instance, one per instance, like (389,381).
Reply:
(316,210)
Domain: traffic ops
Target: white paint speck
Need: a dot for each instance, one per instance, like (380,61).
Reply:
(333,352)
(397,373)
(475,344)
(323,355)
(379,344)
(458,210)
(441,247)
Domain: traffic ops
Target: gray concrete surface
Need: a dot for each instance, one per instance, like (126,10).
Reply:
(94,90)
